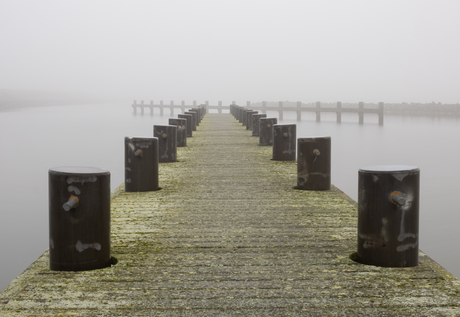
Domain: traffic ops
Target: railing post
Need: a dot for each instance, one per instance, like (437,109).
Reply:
(135,107)
(151,107)
(280,112)
(339,113)
(142,107)
(264,107)
(318,112)
(172,108)
(381,113)
(388,215)
(161,107)
(361,113)
(182,107)
(298,112)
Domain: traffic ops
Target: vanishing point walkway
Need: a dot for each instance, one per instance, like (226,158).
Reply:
(229,235)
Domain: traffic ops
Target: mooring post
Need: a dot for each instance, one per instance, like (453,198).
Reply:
(79,218)
(206,108)
(339,113)
(255,123)
(167,139)
(245,117)
(266,131)
(239,117)
(361,113)
(189,119)
(318,111)
(181,125)
(380,113)
(298,112)
(284,142)
(314,163)
(141,164)
(249,119)
(194,119)
(134,107)
(194,103)
(388,215)
(280,111)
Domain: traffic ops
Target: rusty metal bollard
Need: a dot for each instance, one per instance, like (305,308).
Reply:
(388,215)
(284,142)
(79,218)
(181,125)
(189,119)
(314,163)
(255,123)
(141,164)
(167,138)
(266,130)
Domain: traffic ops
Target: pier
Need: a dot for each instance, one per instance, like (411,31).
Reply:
(360,109)
(228,234)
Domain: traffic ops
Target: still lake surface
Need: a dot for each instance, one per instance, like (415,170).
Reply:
(36,139)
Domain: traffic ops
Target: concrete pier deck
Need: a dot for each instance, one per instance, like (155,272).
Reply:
(229,235)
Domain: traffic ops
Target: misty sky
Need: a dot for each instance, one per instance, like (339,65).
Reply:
(338,50)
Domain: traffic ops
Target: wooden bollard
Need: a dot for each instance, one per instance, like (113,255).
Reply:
(167,138)
(266,130)
(141,164)
(79,218)
(284,142)
(314,163)
(388,215)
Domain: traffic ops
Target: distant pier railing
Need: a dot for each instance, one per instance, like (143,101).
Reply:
(262,106)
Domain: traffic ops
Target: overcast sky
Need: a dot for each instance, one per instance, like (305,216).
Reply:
(337,50)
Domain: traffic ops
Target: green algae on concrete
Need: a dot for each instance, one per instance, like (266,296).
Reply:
(229,235)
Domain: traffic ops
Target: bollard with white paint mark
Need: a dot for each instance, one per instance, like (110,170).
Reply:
(388,215)
(314,163)
(141,164)
(189,119)
(284,142)
(79,218)
(167,139)
(266,131)
(181,125)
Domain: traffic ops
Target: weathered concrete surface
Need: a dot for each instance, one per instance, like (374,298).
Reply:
(228,235)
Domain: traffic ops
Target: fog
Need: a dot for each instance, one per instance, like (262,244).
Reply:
(391,51)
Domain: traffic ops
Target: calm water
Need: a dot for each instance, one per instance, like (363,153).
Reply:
(34,140)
